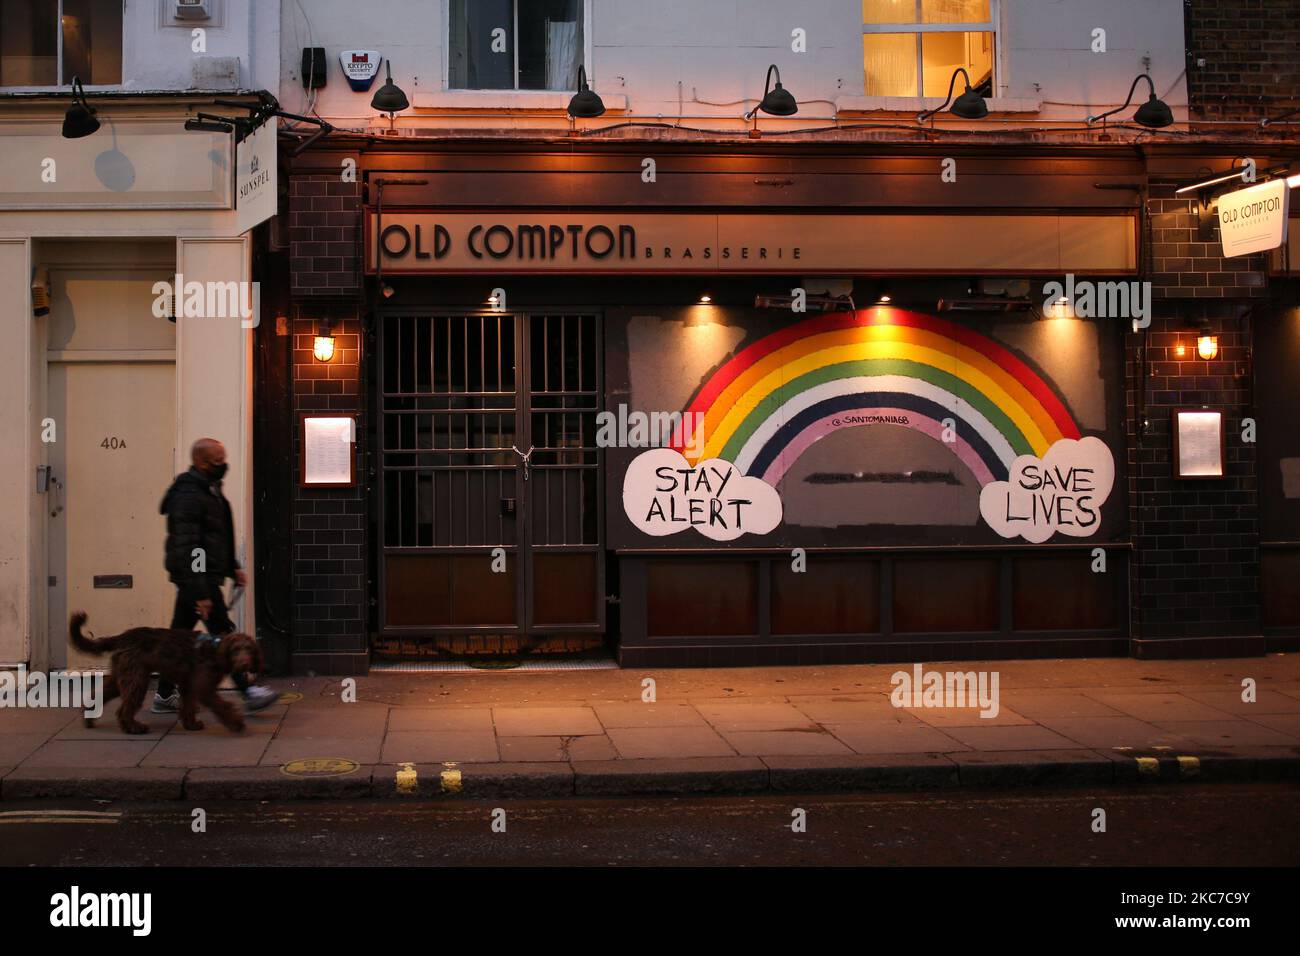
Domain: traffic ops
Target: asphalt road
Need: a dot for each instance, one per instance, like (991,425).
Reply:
(1213,825)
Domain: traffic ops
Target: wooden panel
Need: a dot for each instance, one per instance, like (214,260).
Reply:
(833,596)
(1280,587)
(564,589)
(698,598)
(1061,592)
(935,595)
(449,590)
(418,590)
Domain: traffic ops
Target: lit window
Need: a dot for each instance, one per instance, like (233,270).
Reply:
(515,44)
(48,42)
(912,47)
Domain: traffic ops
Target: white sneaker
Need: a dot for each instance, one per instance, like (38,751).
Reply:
(258,697)
(166,705)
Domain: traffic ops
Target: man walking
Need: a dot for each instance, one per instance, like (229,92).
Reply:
(200,556)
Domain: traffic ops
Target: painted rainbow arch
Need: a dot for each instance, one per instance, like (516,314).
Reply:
(882,365)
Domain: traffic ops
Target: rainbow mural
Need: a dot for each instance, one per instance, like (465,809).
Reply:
(765,406)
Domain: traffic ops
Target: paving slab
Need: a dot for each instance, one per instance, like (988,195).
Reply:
(1108,732)
(1011,737)
(879,737)
(106,726)
(1019,768)
(846,709)
(269,783)
(943,717)
(1161,707)
(547,749)
(98,754)
(213,746)
(441,719)
(15,748)
(364,750)
(1267,701)
(762,743)
(101,783)
(677,775)
(1036,705)
(633,714)
(857,772)
(336,720)
(428,746)
(677,741)
(728,716)
(1288,724)
(1228,732)
(36,720)
(545,721)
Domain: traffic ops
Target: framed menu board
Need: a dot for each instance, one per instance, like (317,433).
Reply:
(328,456)
(1199,443)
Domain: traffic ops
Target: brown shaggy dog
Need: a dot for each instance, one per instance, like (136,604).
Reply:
(196,668)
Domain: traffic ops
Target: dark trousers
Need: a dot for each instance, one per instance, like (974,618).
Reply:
(185,616)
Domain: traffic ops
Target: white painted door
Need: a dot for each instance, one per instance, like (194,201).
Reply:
(111,465)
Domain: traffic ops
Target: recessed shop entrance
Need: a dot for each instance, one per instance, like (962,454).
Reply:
(489,474)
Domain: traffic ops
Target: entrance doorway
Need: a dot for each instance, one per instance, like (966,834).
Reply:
(490,479)
(111,399)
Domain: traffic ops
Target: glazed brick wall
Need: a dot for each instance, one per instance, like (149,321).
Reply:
(1249,47)
(1196,567)
(324,236)
(329,536)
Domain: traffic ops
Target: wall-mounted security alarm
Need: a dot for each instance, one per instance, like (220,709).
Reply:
(192,10)
(360,67)
(313,67)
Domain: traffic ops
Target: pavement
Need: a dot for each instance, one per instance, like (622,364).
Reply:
(546,734)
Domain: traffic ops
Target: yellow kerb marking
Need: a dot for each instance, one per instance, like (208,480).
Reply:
(408,781)
(1189,766)
(1148,765)
(450,779)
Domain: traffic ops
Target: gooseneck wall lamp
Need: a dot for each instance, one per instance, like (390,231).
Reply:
(970,105)
(389,98)
(1153,114)
(585,104)
(80,119)
(777,100)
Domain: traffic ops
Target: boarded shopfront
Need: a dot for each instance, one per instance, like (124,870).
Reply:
(946,463)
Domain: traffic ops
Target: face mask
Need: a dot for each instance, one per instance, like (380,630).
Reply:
(217,472)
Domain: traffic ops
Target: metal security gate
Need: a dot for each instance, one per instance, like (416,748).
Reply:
(490,475)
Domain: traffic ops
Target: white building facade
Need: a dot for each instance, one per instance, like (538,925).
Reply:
(102,394)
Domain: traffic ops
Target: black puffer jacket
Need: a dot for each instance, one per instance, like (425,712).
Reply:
(198,516)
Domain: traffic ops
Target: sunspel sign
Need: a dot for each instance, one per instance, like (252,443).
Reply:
(255,178)
(1254,219)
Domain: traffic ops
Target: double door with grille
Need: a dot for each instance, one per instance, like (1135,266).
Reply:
(489,474)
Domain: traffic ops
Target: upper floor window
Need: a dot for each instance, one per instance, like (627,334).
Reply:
(48,42)
(912,47)
(515,44)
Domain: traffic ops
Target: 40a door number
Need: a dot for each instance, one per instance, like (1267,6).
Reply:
(113,444)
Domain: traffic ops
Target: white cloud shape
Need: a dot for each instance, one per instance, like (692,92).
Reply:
(663,494)
(1060,493)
